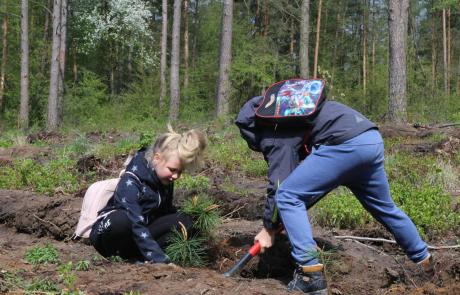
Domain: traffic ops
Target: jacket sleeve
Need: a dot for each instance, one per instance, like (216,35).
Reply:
(127,196)
(281,151)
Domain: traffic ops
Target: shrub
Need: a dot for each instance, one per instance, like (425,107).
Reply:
(255,168)
(58,174)
(428,207)
(41,286)
(42,255)
(197,183)
(204,212)
(342,210)
(184,250)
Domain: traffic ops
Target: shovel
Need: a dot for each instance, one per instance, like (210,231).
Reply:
(253,251)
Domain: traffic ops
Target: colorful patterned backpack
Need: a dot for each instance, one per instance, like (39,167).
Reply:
(291,101)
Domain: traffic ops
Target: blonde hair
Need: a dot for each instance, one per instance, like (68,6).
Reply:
(188,146)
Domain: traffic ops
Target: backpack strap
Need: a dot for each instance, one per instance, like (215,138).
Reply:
(132,174)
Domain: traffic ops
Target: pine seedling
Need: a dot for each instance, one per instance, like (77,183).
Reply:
(204,212)
(185,250)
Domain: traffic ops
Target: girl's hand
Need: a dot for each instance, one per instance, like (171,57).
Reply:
(265,238)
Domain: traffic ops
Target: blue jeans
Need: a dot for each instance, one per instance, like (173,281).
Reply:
(358,165)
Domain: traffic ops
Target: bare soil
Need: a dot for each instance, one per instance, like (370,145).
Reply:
(28,220)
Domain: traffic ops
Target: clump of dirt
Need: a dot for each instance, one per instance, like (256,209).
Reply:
(44,136)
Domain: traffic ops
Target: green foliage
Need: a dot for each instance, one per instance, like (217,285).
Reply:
(429,207)
(79,146)
(204,212)
(82,265)
(116,259)
(42,255)
(84,100)
(146,139)
(184,250)
(342,210)
(57,175)
(68,278)
(42,286)
(197,183)
(255,168)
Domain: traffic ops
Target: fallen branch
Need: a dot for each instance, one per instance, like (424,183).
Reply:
(48,222)
(391,242)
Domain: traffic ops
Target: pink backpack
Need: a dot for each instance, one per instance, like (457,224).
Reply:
(95,199)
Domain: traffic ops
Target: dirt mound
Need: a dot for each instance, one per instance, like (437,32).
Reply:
(40,215)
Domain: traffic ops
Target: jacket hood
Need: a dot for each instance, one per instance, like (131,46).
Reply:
(143,170)
(246,122)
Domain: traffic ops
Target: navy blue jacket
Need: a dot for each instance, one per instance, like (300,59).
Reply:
(282,146)
(143,198)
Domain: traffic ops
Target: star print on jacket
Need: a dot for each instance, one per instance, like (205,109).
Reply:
(144,198)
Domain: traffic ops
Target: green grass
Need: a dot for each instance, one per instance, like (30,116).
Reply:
(341,209)
(58,175)
(197,183)
(42,255)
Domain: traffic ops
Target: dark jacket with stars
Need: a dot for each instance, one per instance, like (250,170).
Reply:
(144,198)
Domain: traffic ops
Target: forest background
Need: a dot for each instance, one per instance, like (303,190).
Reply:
(107,64)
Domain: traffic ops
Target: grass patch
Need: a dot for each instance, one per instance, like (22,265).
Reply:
(341,209)
(429,207)
(57,175)
(197,183)
(42,255)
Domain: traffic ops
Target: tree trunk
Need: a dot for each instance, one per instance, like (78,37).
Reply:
(266,19)
(175,58)
(186,49)
(45,37)
(304,38)
(62,60)
(338,37)
(365,45)
(75,65)
(195,34)
(318,30)
(164,42)
(397,23)
(53,120)
(24,108)
(129,71)
(433,53)
(4,57)
(449,50)
(444,50)
(223,84)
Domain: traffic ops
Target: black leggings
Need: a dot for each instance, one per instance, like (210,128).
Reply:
(117,239)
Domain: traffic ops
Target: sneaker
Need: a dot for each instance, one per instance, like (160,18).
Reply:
(427,265)
(309,279)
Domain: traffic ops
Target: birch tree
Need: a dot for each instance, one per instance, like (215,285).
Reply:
(397,23)
(24,108)
(175,57)
(304,38)
(223,84)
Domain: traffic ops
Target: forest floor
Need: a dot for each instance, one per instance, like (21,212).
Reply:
(28,220)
